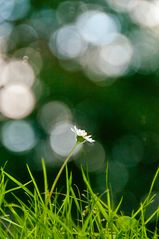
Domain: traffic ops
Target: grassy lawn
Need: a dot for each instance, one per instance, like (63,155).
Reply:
(54,215)
(75,215)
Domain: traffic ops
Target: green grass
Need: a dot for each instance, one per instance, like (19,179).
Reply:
(70,215)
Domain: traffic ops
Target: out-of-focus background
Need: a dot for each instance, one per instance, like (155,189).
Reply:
(94,64)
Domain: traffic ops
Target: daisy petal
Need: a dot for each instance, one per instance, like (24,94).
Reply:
(81,135)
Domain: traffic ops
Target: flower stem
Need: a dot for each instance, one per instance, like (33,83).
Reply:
(61,169)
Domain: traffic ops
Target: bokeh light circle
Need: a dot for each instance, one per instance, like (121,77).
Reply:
(123,5)
(18,136)
(118,176)
(18,71)
(92,157)
(145,13)
(16,101)
(62,139)
(32,56)
(97,27)
(109,60)
(67,43)
(128,150)
(52,113)
(6,8)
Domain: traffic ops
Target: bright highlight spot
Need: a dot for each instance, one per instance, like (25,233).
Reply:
(18,136)
(146,13)
(18,71)
(66,43)
(16,101)
(107,61)
(97,27)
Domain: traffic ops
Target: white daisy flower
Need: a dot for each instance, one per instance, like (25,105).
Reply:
(81,135)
